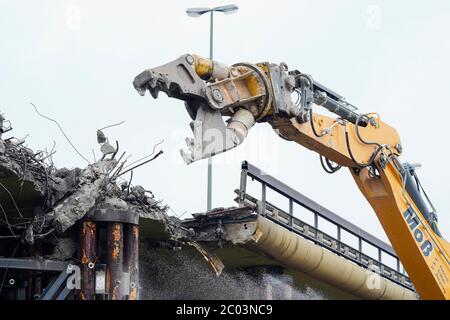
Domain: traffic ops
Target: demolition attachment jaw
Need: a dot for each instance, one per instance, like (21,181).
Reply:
(177,79)
(246,93)
(211,90)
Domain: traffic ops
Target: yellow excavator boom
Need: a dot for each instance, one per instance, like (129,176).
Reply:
(249,93)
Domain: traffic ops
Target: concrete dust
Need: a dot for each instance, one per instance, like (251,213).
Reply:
(184,274)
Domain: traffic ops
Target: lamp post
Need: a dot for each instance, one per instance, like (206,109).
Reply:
(197,12)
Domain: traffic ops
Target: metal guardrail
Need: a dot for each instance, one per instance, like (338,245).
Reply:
(32,264)
(312,232)
(57,289)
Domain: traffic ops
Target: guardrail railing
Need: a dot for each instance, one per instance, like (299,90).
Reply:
(312,232)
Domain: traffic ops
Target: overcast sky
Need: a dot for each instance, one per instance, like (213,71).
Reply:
(76,61)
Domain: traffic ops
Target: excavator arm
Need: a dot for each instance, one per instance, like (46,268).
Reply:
(249,93)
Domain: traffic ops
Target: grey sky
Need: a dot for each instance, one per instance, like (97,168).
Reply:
(76,61)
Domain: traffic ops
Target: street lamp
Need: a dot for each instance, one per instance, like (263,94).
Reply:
(197,12)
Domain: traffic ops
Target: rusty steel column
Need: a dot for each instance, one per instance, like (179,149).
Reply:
(114,268)
(88,258)
(131,263)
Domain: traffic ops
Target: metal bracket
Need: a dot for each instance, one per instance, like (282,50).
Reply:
(57,289)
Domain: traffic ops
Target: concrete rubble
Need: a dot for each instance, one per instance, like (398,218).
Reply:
(46,201)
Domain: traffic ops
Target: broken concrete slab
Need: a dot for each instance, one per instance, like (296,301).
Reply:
(92,183)
(40,197)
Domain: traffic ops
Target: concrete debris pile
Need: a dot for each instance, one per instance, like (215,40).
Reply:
(38,200)
(96,187)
